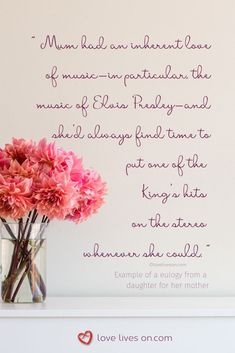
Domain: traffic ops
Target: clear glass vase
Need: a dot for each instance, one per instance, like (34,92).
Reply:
(23,247)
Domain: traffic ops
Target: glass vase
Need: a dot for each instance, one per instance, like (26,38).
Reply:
(23,247)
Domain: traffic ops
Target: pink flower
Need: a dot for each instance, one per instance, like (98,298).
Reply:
(90,197)
(15,197)
(26,169)
(19,150)
(76,170)
(47,156)
(52,159)
(4,161)
(54,195)
(49,179)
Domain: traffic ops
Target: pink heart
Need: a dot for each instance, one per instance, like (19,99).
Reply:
(85,337)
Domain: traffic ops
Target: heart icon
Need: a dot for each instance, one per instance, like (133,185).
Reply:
(85,337)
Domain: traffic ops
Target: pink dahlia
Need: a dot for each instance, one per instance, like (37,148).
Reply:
(26,169)
(49,179)
(54,195)
(4,160)
(19,150)
(52,159)
(15,197)
(47,156)
(76,171)
(90,197)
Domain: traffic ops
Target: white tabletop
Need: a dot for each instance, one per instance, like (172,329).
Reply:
(123,307)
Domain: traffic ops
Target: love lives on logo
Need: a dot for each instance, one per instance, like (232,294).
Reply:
(86,338)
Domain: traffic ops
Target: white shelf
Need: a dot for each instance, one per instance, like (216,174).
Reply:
(123,307)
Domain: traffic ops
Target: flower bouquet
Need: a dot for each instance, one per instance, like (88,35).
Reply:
(38,183)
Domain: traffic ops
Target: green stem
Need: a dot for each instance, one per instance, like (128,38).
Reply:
(8,228)
(23,260)
(28,265)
